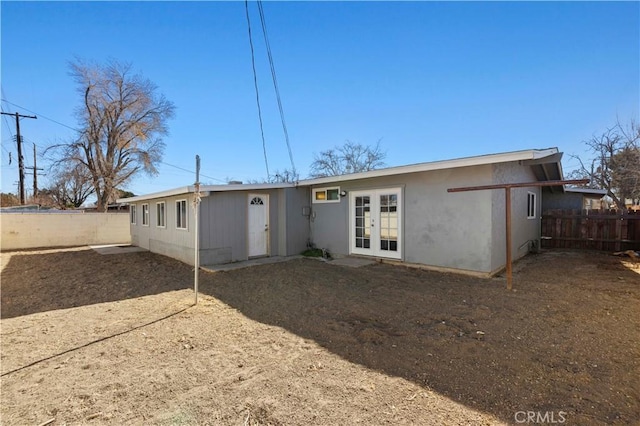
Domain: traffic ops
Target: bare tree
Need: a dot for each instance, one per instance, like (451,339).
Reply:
(615,164)
(625,166)
(349,158)
(70,188)
(8,200)
(284,176)
(122,121)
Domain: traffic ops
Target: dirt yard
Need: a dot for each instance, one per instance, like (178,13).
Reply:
(114,339)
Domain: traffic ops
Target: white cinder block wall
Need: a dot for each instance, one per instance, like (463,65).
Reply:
(33,230)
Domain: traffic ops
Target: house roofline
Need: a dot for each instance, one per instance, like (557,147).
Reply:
(205,189)
(529,154)
(592,191)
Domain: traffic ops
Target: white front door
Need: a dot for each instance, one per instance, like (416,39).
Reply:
(375,219)
(258,225)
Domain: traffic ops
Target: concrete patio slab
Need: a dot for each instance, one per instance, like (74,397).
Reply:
(248,263)
(116,249)
(353,262)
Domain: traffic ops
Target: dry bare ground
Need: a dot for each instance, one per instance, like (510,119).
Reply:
(92,339)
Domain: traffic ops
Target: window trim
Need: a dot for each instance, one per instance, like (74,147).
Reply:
(326,190)
(164,214)
(186,215)
(133,214)
(531,205)
(145,218)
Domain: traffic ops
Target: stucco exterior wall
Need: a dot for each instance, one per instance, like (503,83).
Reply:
(33,230)
(523,230)
(329,222)
(449,230)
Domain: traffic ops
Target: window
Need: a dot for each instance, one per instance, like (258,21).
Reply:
(181,214)
(326,195)
(132,213)
(160,221)
(531,205)
(145,215)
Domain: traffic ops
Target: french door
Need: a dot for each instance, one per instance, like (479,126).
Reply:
(375,218)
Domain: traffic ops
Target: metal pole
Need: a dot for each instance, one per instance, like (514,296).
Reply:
(35,174)
(20,159)
(507,187)
(196,201)
(507,193)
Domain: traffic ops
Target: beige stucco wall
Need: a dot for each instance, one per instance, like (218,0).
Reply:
(31,230)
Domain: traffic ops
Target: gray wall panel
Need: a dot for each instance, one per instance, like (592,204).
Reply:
(142,235)
(224,224)
(448,229)
(297,224)
(523,230)
(563,201)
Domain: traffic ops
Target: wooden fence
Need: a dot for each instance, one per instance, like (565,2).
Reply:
(608,230)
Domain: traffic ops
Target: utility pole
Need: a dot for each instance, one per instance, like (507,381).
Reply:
(35,172)
(20,158)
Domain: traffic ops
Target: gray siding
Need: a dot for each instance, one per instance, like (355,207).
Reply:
(297,224)
(464,230)
(223,226)
(169,241)
(563,201)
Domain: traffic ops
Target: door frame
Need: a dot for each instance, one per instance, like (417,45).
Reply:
(375,194)
(267,249)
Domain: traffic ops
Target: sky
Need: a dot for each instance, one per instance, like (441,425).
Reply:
(430,80)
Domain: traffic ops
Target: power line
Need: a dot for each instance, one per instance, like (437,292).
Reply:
(191,171)
(72,128)
(6,122)
(275,84)
(40,115)
(255,83)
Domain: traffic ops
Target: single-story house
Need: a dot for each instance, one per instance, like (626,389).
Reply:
(403,214)
(575,199)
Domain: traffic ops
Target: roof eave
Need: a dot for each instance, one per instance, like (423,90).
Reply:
(205,189)
(532,154)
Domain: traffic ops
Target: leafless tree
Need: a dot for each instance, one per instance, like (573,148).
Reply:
(349,158)
(8,200)
(284,176)
(122,121)
(615,162)
(625,166)
(69,189)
